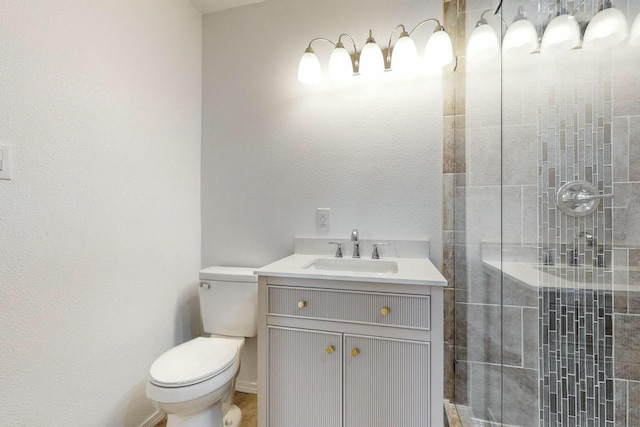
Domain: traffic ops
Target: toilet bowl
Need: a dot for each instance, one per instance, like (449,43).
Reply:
(194,382)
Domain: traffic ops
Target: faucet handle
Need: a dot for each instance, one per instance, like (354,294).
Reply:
(375,254)
(338,248)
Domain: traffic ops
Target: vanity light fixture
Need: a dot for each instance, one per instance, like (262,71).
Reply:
(606,29)
(521,37)
(404,56)
(634,36)
(439,50)
(483,42)
(437,53)
(341,66)
(309,71)
(371,60)
(562,34)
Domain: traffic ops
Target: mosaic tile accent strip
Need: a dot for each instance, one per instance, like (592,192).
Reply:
(576,375)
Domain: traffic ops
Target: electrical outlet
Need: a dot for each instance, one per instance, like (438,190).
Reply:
(323,218)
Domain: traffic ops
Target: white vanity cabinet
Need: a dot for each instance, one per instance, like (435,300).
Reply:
(338,353)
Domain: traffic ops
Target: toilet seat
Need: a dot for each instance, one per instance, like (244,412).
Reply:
(194,362)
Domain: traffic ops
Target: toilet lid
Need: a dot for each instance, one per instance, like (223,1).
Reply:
(193,361)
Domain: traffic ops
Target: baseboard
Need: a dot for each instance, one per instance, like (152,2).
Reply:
(153,419)
(247,387)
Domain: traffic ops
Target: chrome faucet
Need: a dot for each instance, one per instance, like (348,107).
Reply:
(547,256)
(356,243)
(590,238)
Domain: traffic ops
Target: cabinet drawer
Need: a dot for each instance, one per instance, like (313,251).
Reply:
(405,311)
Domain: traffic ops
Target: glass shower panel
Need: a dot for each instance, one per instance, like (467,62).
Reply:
(547,302)
(479,299)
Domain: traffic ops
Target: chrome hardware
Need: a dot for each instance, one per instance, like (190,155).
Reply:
(302,304)
(590,238)
(375,254)
(547,256)
(355,352)
(356,243)
(205,285)
(338,248)
(385,311)
(330,349)
(572,257)
(579,198)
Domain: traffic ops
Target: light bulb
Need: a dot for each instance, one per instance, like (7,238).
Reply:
(606,29)
(634,37)
(562,34)
(439,50)
(340,65)
(521,38)
(309,71)
(371,60)
(483,43)
(404,55)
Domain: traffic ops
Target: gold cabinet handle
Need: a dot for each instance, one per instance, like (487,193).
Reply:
(330,349)
(385,311)
(355,352)
(302,304)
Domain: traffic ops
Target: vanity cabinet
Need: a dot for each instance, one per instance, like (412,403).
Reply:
(349,354)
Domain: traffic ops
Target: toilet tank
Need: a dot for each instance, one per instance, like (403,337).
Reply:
(229,301)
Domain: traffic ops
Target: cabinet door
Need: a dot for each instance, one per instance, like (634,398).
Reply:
(386,382)
(305,378)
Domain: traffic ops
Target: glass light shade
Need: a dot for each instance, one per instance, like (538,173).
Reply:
(521,38)
(405,55)
(606,29)
(562,34)
(634,36)
(439,50)
(309,71)
(483,44)
(340,65)
(371,60)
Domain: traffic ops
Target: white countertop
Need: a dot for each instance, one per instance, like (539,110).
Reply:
(411,271)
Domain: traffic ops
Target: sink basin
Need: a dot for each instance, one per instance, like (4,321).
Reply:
(353,265)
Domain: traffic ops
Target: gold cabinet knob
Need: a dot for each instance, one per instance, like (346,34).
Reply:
(302,304)
(330,349)
(355,352)
(385,311)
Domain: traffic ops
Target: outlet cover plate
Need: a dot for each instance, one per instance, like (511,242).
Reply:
(323,218)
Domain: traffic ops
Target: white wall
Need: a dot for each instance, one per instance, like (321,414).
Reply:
(100,226)
(275,149)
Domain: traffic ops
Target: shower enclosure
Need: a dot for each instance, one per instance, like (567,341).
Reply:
(547,286)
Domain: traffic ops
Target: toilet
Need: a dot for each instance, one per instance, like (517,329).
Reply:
(194,382)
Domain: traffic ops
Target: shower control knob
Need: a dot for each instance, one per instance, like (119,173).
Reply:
(205,285)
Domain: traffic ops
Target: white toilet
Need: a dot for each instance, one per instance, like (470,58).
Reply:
(194,382)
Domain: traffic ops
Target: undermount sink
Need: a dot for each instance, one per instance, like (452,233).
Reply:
(353,265)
